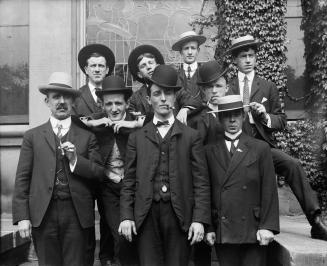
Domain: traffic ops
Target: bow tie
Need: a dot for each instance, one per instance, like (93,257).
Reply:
(232,140)
(162,123)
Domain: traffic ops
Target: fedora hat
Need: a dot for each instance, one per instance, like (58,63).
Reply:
(210,72)
(60,82)
(85,53)
(134,55)
(165,76)
(187,37)
(114,84)
(244,41)
(229,103)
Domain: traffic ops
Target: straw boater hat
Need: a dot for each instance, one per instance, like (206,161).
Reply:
(85,53)
(229,103)
(210,72)
(142,49)
(187,37)
(166,77)
(114,84)
(244,41)
(60,82)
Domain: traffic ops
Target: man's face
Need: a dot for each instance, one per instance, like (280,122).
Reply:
(115,106)
(96,69)
(215,90)
(60,104)
(190,51)
(162,101)
(246,61)
(146,67)
(232,120)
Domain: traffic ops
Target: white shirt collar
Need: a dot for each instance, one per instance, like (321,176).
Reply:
(171,120)
(65,123)
(193,66)
(233,136)
(92,87)
(242,75)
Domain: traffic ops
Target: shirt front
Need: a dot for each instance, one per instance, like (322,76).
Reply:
(93,90)
(232,136)
(163,130)
(193,67)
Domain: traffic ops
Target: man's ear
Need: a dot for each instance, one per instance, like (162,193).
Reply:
(107,70)
(46,100)
(148,99)
(139,75)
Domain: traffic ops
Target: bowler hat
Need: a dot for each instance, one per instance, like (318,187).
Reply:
(86,52)
(210,72)
(188,36)
(165,76)
(114,84)
(134,55)
(244,41)
(60,82)
(229,103)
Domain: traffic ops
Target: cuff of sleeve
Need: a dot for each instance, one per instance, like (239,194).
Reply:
(72,166)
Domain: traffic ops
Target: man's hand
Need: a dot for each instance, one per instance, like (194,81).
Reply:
(123,123)
(25,228)
(210,238)
(126,228)
(70,151)
(258,108)
(197,230)
(182,115)
(105,121)
(264,237)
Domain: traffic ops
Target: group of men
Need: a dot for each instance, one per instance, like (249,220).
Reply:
(185,161)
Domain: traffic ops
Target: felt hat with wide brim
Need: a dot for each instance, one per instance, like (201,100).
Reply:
(85,53)
(229,103)
(112,85)
(134,55)
(210,72)
(166,77)
(59,82)
(188,36)
(244,41)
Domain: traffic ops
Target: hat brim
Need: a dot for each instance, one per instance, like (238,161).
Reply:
(45,89)
(177,46)
(164,86)
(105,51)
(212,79)
(233,108)
(244,44)
(142,49)
(127,92)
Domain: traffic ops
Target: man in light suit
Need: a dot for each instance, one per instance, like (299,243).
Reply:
(96,61)
(245,214)
(263,117)
(165,197)
(57,165)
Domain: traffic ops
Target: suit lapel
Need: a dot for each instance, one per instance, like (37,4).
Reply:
(49,135)
(221,153)
(238,156)
(234,87)
(88,99)
(150,132)
(255,88)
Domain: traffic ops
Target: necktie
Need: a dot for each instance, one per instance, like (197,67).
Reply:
(59,135)
(188,72)
(246,94)
(98,101)
(162,123)
(232,146)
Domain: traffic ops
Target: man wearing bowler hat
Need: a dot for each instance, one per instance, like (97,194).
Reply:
(165,197)
(245,214)
(97,61)
(188,45)
(263,117)
(52,198)
(141,62)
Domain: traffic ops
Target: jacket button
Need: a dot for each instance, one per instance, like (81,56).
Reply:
(243,218)
(223,218)
(245,187)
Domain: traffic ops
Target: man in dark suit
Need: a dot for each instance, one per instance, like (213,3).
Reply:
(244,196)
(263,117)
(165,198)
(57,165)
(96,61)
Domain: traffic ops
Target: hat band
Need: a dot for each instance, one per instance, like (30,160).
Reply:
(242,43)
(228,106)
(60,85)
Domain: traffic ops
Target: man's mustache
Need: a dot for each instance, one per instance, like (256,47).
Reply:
(62,106)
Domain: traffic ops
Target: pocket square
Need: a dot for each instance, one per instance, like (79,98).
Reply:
(264,99)
(239,150)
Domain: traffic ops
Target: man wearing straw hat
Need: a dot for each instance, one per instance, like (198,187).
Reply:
(263,117)
(245,214)
(52,198)
(165,197)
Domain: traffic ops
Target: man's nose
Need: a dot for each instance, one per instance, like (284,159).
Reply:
(97,68)
(114,108)
(61,99)
(163,97)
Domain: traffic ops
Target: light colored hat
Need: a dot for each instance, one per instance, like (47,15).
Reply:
(187,37)
(244,41)
(229,103)
(61,82)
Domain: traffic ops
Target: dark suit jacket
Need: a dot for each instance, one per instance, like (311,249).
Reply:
(189,183)
(85,104)
(261,89)
(36,174)
(243,190)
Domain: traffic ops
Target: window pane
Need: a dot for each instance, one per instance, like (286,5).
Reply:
(14,49)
